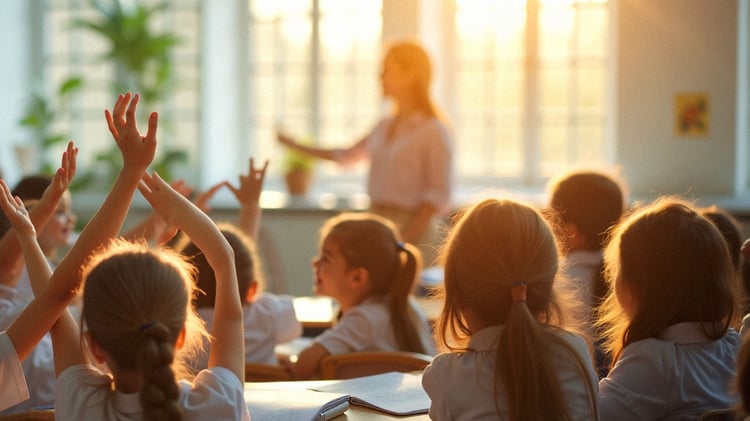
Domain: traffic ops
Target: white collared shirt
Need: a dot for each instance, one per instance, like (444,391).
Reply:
(677,376)
(13,388)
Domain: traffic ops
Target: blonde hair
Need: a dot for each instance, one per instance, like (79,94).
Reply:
(411,56)
(369,241)
(676,266)
(136,301)
(494,245)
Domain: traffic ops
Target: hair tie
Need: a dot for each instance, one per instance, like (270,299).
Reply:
(518,292)
(400,246)
(144,327)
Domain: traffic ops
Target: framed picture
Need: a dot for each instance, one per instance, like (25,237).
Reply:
(691,115)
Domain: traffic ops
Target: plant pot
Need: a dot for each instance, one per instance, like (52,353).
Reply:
(298,181)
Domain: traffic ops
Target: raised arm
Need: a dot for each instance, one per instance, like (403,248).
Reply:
(137,152)
(228,344)
(343,156)
(41,314)
(40,214)
(248,195)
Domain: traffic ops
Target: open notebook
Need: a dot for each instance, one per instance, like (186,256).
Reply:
(392,393)
(302,404)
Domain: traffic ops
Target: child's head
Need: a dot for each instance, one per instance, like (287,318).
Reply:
(667,264)
(361,256)
(501,261)
(729,228)
(59,229)
(494,245)
(246,263)
(138,317)
(587,204)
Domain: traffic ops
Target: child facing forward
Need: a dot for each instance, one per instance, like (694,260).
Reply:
(137,306)
(673,299)
(512,357)
(370,273)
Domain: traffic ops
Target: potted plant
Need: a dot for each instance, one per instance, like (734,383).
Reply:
(298,171)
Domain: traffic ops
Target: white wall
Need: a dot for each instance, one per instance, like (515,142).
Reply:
(667,47)
(15,44)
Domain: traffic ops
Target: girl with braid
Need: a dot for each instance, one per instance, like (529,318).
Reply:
(370,273)
(137,317)
(511,353)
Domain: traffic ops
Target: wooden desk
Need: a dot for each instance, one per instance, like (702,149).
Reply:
(354,413)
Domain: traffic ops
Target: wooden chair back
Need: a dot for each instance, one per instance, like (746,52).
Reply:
(265,373)
(358,364)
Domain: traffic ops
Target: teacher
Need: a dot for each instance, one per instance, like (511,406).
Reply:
(410,177)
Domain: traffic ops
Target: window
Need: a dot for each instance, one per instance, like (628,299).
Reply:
(531,80)
(529,91)
(313,70)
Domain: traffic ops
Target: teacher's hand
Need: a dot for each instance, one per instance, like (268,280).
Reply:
(285,139)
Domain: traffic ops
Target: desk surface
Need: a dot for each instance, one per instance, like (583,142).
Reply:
(355,412)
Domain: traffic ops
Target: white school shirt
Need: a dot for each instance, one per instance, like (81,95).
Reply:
(581,267)
(677,376)
(39,365)
(461,384)
(85,393)
(368,327)
(13,382)
(269,320)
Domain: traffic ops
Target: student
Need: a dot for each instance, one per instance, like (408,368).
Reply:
(673,299)
(370,273)
(136,306)
(512,357)
(15,289)
(743,377)
(17,343)
(409,151)
(269,319)
(585,205)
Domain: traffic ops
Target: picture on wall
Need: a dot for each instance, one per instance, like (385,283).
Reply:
(691,115)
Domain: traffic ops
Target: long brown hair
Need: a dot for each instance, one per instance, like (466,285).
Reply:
(412,57)
(676,266)
(369,241)
(493,245)
(136,301)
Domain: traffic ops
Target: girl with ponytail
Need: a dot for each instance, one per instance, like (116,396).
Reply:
(363,266)
(510,354)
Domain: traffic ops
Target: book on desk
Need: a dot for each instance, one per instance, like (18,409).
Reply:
(392,393)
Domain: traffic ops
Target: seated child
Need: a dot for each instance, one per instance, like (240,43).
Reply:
(512,356)
(585,205)
(370,273)
(137,308)
(673,297)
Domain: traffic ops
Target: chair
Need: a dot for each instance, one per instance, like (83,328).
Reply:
(32,415)
(724,414)
(265,373)
(358,364)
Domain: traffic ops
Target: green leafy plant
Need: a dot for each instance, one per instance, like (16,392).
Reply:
(43,111)
(141,56)
(142,64)
(294,160)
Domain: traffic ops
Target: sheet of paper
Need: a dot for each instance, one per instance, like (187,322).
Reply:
(284,405)
(395,393)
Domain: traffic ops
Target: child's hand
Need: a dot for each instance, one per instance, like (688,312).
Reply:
(137,151)
(251,185)
(163,198)
(64,175)
(15,211)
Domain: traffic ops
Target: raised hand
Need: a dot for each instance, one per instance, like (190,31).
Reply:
(251,185)
(137,150)
(64,175)
(15,211)
(164,199)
